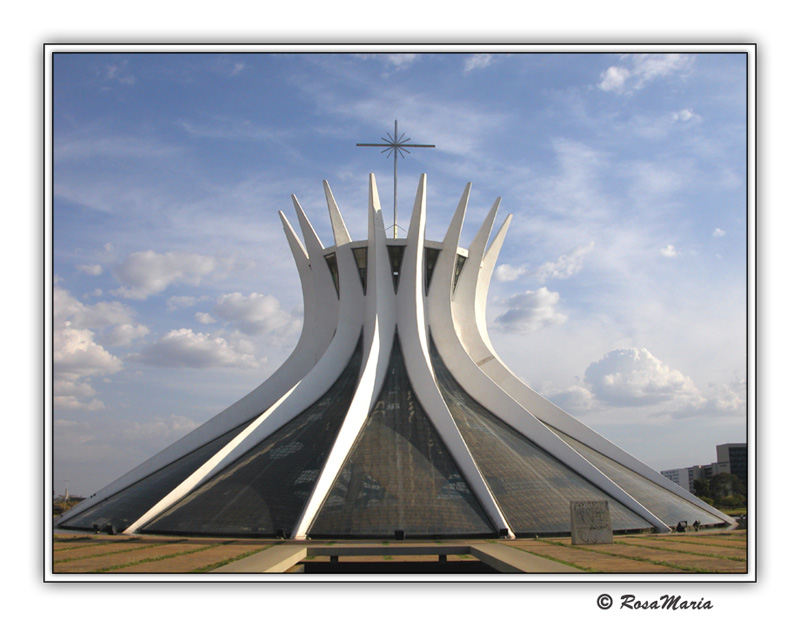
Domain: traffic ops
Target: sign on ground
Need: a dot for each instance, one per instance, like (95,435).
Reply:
(591,522)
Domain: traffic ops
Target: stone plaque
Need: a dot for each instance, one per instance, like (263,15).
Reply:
(591,522)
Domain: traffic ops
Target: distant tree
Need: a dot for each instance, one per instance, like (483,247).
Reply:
(701,488)
(726,485)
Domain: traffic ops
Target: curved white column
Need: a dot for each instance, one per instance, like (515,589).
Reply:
(379,324)
(469,307)
(319,322)
(446,322)
(306,391)
(453,315)
(413,335)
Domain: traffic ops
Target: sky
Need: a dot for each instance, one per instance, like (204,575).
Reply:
(620,292)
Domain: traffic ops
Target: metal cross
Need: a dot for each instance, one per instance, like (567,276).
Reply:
(395,145)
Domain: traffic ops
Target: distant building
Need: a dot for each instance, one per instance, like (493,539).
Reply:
(731,459)
(735,455)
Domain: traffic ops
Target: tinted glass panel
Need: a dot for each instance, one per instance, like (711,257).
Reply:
(460,260)
(264,492)
(665,505)
(431,254)
(333,266)
(399,475)
(533,488)
(396,261)
(125,507)
(360,255)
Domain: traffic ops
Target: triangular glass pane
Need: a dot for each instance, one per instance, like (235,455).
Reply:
(264,492)
(399,475)
(431,254)
(533,488)
(124,508)
(360,255)
(460,260)
(665,505)
(333,266)
(396,262)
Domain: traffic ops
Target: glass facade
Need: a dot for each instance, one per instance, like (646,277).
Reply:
(396,262)
(333,266)
(125,507)
(399,475)
(533,488)
(460,260)
(670,508)
(360,255)
(264,492)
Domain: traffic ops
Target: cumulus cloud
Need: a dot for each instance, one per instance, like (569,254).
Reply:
(185,348)
(634,377)
(506,273)
(144,274)
(531,311)
(636,70)
(718,232)
(77,356)
(255,314)
(79,353)
(204,318)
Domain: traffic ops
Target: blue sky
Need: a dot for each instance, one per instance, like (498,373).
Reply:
(621,290)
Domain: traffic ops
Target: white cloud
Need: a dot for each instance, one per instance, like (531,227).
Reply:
(204,318)
(531,311)
(669,251)
(718,232)
(143,274)
(74,394)
(124,334)
(92,270)
(77,353)
(614,78)
(637,70)
(506,273)
(255,314)
(478,61)
(97,316)
(567,264)
(634,377)
(185,348)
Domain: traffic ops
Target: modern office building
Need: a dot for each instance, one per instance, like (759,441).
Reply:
(735,456)
(731,459)
(394,416)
